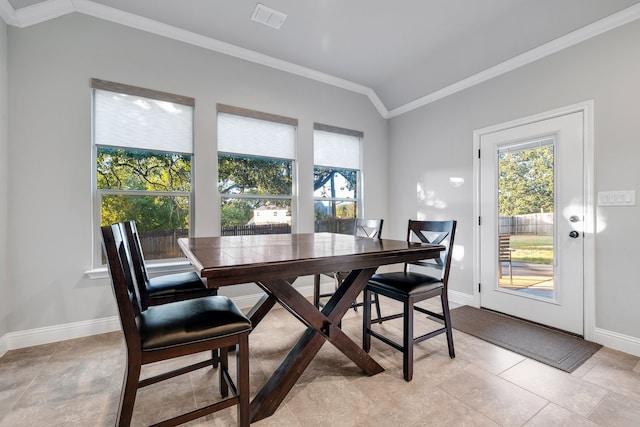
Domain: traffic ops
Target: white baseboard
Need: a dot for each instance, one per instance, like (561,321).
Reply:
(617,341)
(4,344)
(49,334)
(460,298)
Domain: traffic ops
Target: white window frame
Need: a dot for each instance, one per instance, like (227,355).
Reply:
(243,112)
(352,164)
(103,85)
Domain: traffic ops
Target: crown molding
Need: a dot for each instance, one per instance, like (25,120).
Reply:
(96,10)
(50,9)
(37,13)
(7,13)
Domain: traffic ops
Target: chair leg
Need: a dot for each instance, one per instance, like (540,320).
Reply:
(215,358)
(447,324)
(242,375)
(366,321)
(224,366)
(129,391)
(407,353)
(316,290)
(376,301)
(510,272)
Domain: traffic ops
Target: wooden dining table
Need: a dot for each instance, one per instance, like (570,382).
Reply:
(274,262)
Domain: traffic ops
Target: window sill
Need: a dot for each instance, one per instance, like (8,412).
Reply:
(154,268)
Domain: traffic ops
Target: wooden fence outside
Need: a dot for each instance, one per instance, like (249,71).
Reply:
(335,225)
(162,244)
(531,224)
(251,230)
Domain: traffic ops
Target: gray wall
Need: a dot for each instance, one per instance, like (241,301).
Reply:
(45,163)
(50,67)
(429,145)
(4,164)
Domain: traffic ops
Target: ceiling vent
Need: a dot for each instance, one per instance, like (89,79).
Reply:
(267,16)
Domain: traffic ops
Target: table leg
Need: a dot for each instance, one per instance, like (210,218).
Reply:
(273,392)
(336,308)
(211,284)
(321,328)
(261,309)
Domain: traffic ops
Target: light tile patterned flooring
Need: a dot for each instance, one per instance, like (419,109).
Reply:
(77,383)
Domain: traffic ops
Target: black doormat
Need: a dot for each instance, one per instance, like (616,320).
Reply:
(550,346)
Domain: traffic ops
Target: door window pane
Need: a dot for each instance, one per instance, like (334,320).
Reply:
(526,216)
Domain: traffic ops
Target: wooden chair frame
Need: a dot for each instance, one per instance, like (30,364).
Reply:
(142,276)
(128,297)
(446,233)
(504,253)
(371,228)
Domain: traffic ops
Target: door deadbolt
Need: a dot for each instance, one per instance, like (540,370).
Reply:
(574,218)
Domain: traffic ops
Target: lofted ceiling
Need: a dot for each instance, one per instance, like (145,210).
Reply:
(401,54)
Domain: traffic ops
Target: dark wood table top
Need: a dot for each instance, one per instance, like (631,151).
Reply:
(240,259)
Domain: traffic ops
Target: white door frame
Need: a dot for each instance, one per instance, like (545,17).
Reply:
(589,221)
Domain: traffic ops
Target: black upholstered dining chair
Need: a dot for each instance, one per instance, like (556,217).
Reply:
(417,282)
(167,287)
(175,329)
(371,228)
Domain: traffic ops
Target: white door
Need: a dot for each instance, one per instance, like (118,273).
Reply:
(531,194)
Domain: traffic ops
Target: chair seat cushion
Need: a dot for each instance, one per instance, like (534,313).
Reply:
(404,282)
(177,283)
(197,319)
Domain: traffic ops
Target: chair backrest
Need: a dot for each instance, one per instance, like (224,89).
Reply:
(438,233)
(137,258)
(368,228)
(504,245)
(123,280)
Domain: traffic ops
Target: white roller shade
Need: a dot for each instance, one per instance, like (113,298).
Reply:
(130,121)
(336,150)
(255,137)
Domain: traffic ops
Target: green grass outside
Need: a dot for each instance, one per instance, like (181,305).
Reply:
(532,249)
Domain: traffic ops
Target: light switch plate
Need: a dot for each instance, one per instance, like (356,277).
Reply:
(617,198)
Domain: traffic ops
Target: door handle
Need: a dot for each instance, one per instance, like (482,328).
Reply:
(574,234)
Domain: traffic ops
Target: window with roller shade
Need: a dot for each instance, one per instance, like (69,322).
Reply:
(143,148)
(336,178)
(256,153)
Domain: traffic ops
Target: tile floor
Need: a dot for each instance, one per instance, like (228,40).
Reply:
(77,383)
